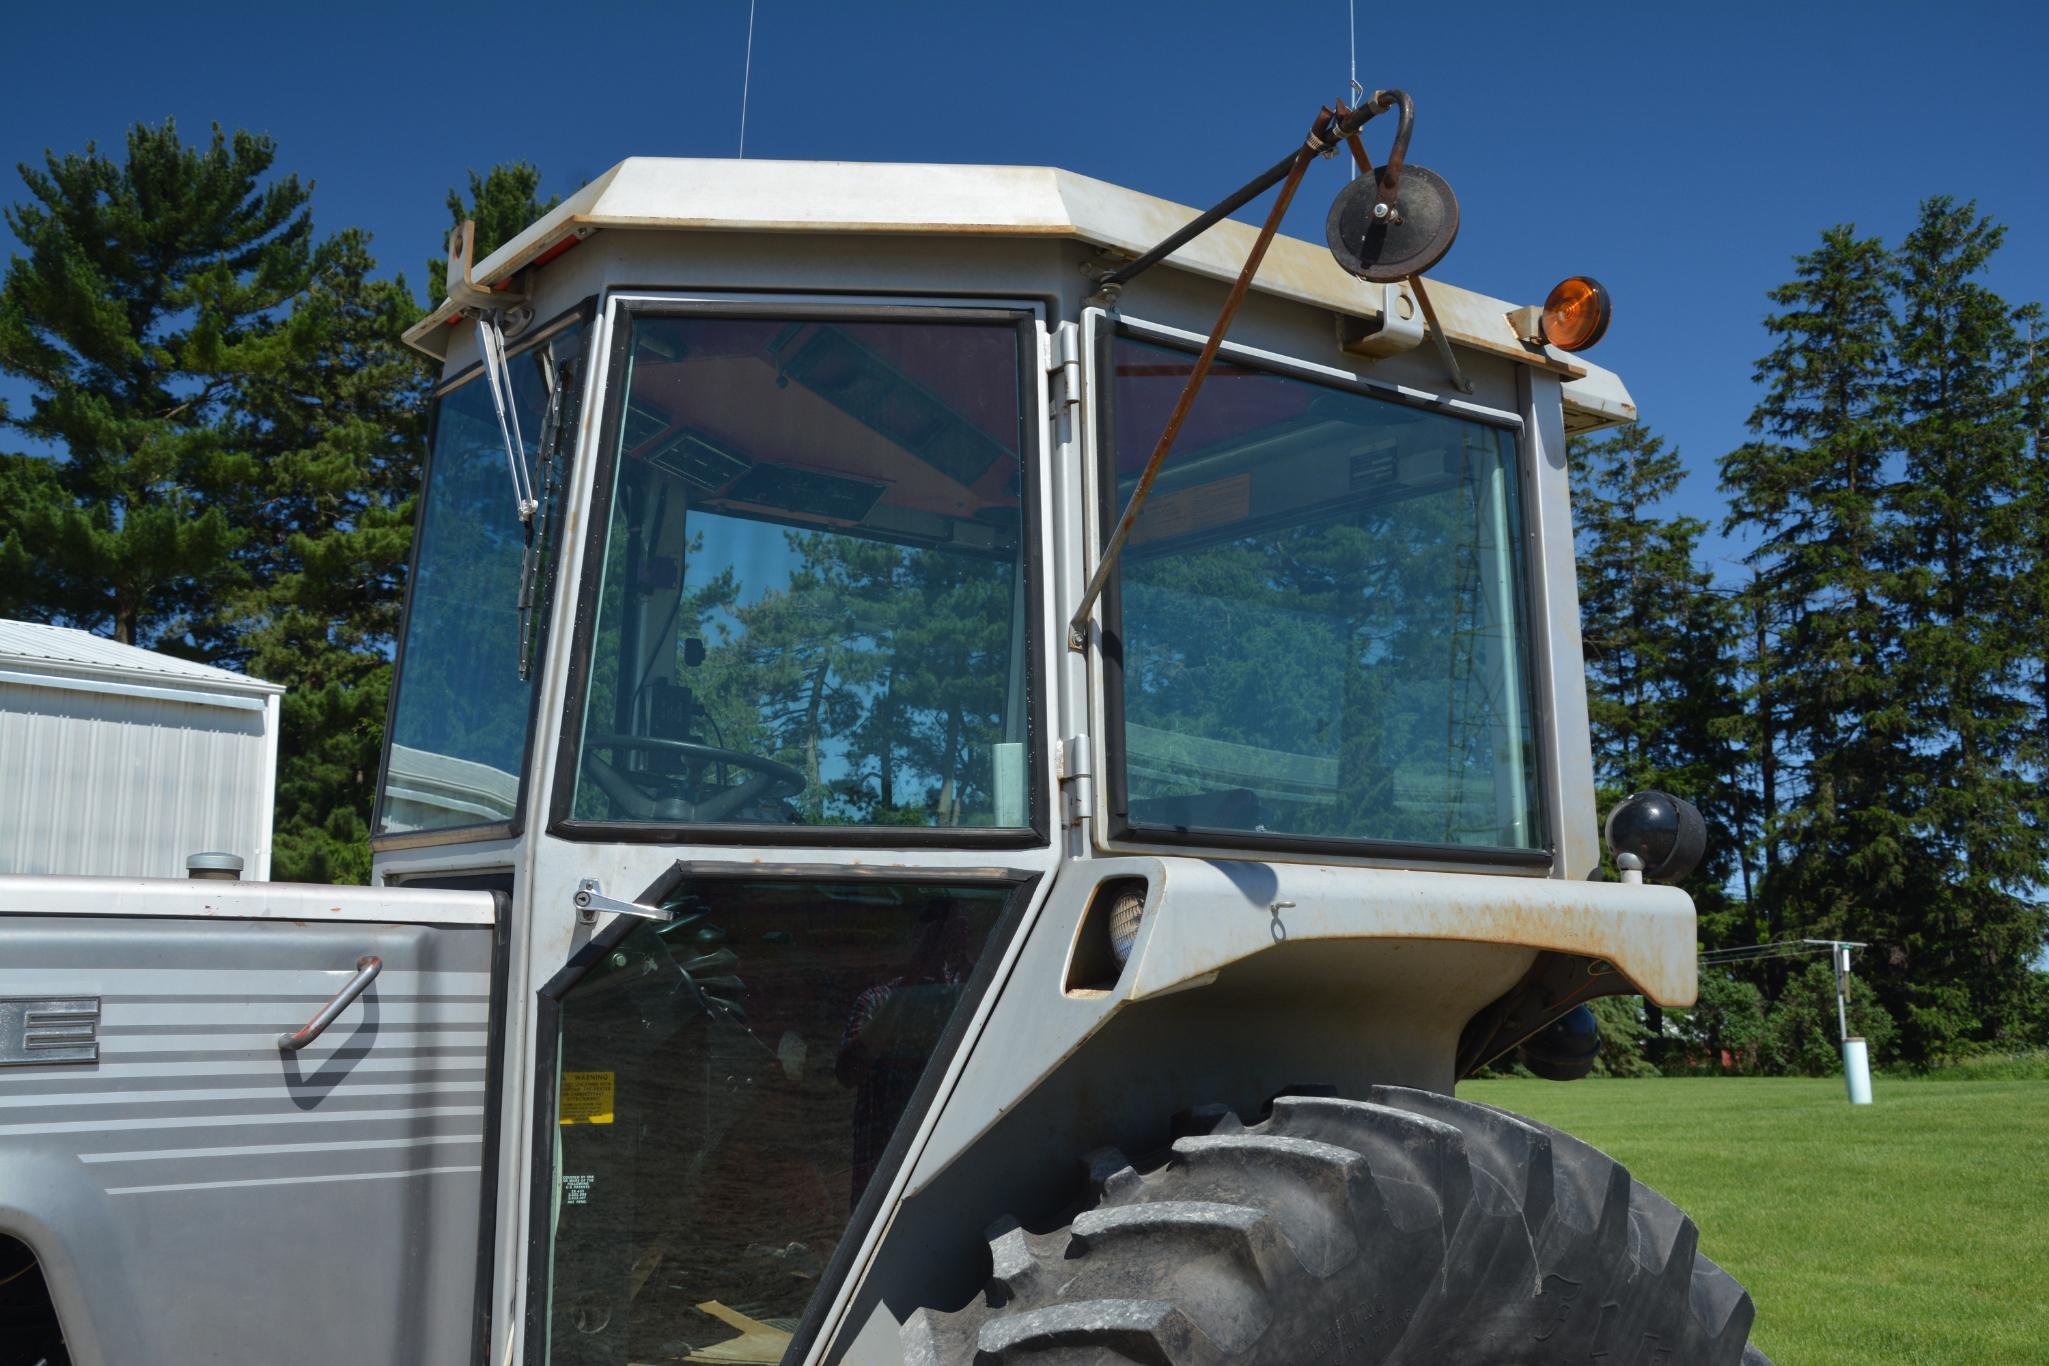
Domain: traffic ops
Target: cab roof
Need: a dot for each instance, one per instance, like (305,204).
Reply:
(685,194)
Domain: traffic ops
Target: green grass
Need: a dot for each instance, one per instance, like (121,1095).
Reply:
(2029,1066)
(1913,1230)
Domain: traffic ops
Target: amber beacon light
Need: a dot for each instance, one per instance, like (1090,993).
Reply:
(1576,315)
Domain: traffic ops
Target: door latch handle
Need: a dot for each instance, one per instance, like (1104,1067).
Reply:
(590,898)
(367,968)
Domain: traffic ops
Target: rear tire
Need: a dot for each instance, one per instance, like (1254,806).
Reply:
(1409,1229)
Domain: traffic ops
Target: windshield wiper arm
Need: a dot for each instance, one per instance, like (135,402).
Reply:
(498,374)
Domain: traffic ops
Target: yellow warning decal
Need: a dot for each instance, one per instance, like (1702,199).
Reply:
(587,1097)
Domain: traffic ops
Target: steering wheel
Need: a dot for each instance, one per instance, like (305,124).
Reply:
(626,790)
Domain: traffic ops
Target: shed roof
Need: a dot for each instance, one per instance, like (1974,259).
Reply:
(62,652)
(683,194)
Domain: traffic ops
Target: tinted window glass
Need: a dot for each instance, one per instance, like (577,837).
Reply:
(728,1084)
(1322,615)
(459,726)
(813,609)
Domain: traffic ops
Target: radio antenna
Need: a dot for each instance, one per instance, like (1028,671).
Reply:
(1357,94)
(746,72)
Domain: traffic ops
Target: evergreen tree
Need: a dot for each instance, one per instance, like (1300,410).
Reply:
(1659,643)
(238,442)
(1812,490)
(1965,665)
(335,427)
(1755,731)
(2031,365)
(147,286)
(503,203)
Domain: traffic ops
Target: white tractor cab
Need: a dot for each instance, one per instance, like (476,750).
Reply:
(814,926)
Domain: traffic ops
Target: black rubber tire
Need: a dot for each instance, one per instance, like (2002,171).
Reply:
(1408,1229)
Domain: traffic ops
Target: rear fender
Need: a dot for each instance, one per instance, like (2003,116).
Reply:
(47,1202)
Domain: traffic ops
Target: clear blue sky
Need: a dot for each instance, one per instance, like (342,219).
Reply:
(1682,156)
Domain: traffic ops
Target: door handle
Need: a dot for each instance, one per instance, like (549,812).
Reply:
(367,968)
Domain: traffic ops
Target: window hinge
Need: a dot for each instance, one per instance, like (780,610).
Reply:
(1063,363)
(590,898)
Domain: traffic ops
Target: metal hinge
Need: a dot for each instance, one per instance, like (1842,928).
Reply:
(1063,364)
(1075,766)
(590,898)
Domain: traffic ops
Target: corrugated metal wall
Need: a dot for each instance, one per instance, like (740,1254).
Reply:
(99,783)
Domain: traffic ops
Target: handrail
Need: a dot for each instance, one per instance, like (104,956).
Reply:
(367,968)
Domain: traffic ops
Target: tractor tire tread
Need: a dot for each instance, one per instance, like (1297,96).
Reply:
(1402,1229)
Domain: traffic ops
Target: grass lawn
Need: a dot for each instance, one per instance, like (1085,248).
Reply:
(1912,1230)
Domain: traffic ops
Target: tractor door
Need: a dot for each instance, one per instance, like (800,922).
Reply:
(818,626)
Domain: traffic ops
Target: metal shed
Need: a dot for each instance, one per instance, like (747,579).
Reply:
(119,761)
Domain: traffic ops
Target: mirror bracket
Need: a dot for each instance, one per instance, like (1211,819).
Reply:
(464,291)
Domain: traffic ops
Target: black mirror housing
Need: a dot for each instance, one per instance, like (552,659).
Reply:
(1665,832)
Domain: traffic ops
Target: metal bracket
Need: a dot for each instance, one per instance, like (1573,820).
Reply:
(1399,327)
(463,290)
(590,898)
(1099,269)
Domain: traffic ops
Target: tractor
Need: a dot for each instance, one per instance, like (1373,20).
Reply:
(974,756)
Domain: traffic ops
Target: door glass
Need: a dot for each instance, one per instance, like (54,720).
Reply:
(814,607)
(728,1083)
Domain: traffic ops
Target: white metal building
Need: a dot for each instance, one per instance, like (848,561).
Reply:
(120,762)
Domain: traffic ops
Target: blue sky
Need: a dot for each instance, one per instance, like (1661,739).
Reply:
(1682,155)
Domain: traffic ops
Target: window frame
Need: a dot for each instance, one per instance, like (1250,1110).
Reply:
(1021,884)
(1120,833)
(583,312)
(597,523)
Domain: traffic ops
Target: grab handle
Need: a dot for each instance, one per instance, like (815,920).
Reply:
(367,968)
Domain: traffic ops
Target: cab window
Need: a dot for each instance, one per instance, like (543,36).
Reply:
(1319,633)
(813,607)
(461,712)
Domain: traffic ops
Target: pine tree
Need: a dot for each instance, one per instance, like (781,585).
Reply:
(1659,644)
(503,203)
(335,424)
(1812,489)
(146,284)
(2031,367)
(1964,673)
(240,441)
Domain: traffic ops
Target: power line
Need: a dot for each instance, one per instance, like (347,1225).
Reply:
(1784,948)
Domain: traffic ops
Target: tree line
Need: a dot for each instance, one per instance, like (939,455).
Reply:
(226,437)
(1861,709)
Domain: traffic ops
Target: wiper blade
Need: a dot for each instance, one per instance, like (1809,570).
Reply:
(536,516)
